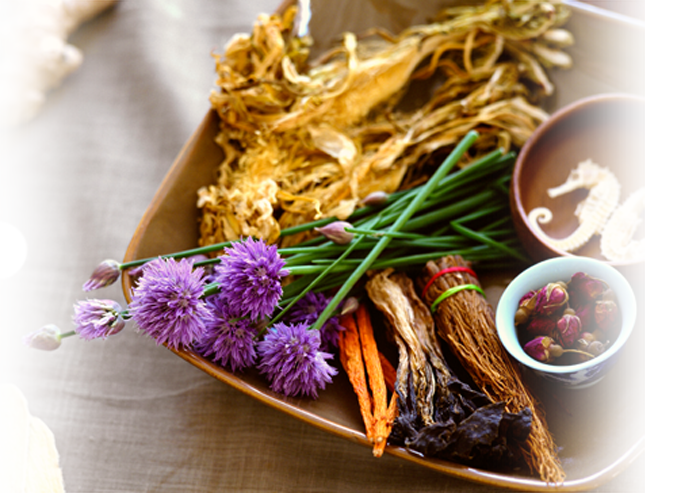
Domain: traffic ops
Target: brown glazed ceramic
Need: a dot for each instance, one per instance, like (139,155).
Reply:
(607,128)
(599,430)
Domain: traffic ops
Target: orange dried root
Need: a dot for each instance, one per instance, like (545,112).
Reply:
(351,359)
(359,354)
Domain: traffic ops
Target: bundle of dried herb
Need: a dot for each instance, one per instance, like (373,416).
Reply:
(465,320)
(307,140)
(439,415)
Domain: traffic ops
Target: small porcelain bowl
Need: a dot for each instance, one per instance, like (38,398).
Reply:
(606,128)
(579,375)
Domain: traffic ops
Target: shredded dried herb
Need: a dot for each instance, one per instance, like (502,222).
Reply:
(439,415)
(466,322)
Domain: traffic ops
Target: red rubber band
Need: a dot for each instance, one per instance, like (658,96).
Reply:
(456,268)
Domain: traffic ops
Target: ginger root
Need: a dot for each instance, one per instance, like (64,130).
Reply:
(38,54)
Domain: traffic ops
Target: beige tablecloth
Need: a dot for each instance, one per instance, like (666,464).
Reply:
(128,415)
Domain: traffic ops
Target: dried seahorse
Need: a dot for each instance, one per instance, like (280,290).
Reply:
(616,241)
(593,212)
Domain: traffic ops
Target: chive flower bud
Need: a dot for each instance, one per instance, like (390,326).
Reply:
(335,232)
(47,338)
(568,328)
(97,318)
(104,274)
(375,198)
(539,348)
(585,289)
(350,305)
(551,298)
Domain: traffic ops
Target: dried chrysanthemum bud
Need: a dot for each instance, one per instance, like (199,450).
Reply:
(551,298)
(375,198)
(104,274)
(585,289)
(541,326)
(526,306)
(46,338)
(538,348)
(607,315)
(568,328)
(335,232)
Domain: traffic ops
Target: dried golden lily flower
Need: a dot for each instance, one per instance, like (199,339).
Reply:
(304,141)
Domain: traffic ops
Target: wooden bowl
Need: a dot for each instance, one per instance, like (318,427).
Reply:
(606,128)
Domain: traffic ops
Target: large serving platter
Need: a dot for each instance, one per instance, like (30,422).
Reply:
(600,430)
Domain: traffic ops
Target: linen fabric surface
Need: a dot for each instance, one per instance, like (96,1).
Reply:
(129,415)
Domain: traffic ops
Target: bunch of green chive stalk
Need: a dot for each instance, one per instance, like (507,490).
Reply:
(462,213)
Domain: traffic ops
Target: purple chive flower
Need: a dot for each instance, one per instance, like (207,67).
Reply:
(291,359)
(167,302)
(97,318)
(227,339)
(104,274)
(46,338)
(306,312)
(250,276)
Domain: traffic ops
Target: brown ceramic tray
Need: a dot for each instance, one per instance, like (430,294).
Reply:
(599,430)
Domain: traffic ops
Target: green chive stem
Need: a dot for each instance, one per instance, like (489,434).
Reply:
(419,198)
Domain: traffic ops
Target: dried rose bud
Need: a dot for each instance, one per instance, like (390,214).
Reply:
(538,348)
(46,338)
(608,295)
(581,344)
(335,232)
(587,336)
(568,328)
(541,326)
(555,351)
(596,348)
(586,314)
(607,315)
(551,298)
(104,274)
(584,289)
(375,198)
(526,305)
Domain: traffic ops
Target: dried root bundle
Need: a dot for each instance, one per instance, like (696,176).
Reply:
(465,321)
(304,141)
(440,416)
